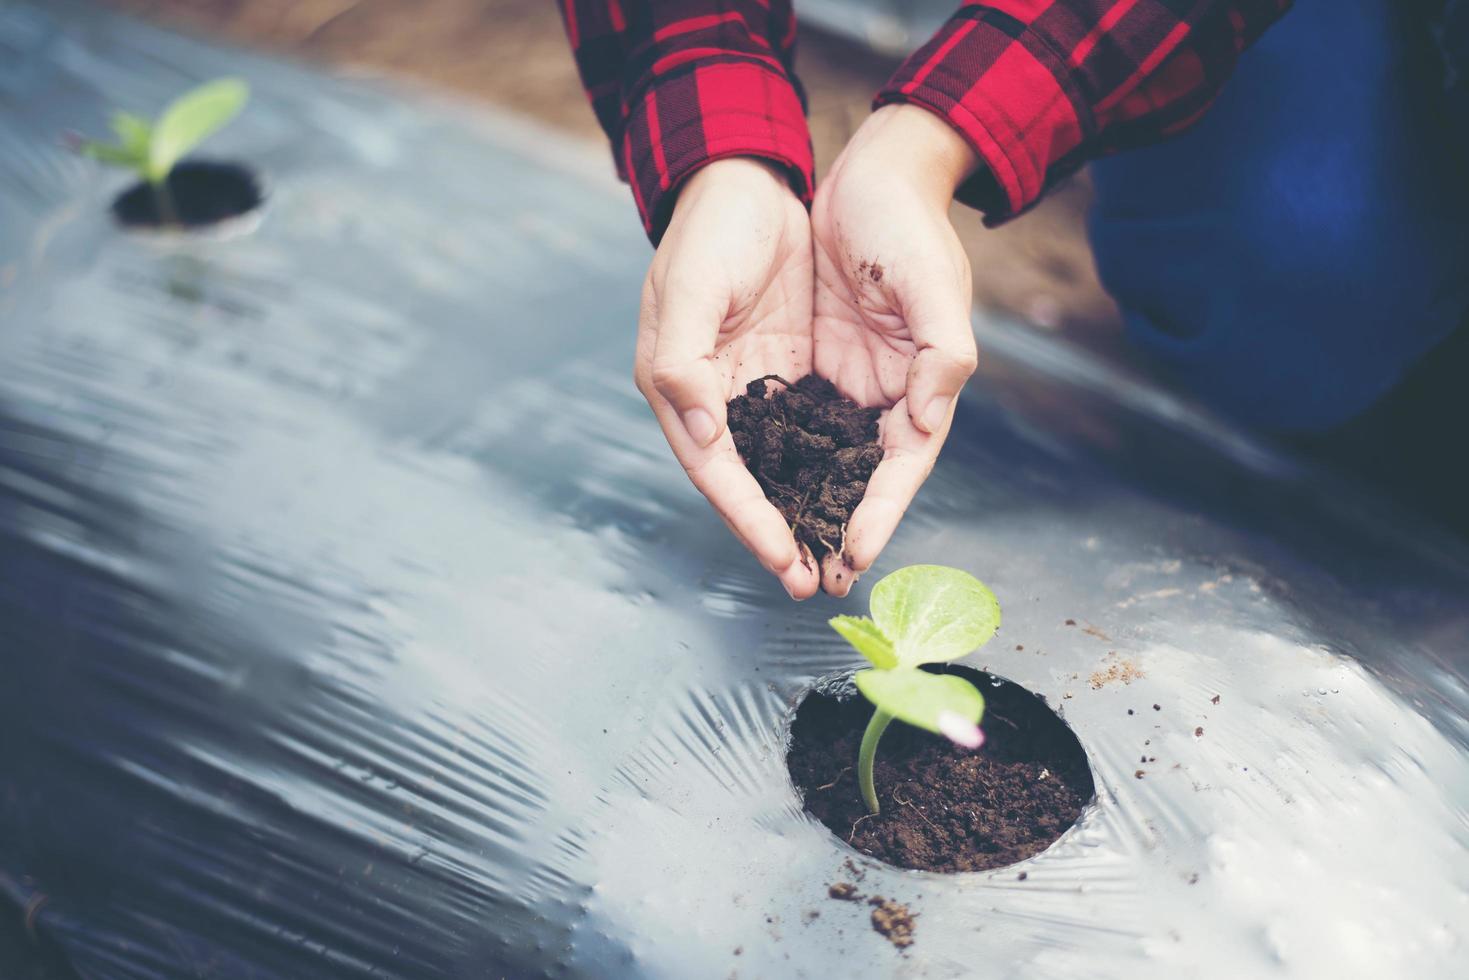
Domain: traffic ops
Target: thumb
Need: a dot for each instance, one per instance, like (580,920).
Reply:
(946,358)
(683,370)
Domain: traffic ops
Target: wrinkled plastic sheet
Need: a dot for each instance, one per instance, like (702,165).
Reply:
(356,622)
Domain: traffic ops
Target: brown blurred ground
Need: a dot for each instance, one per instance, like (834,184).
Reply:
(513,53)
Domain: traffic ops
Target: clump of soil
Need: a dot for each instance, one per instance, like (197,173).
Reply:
(893,920)
(811,450)
(945,808)
(1115,669)
(200,193)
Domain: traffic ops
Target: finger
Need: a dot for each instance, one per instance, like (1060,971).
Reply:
(720,475)
(935,378)
(908,458)
(837,575)
(939,321)
(683,369)
(802,579)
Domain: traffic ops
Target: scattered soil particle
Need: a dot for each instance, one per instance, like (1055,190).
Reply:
(812,452)
(893,920)
(944,808)
(1070,622)
(1157,707)
(1115,669)
(1019,646)
(1214,699)
(1093,631)
(1022,876)
(1129,711)
(1199,732)
(854,870)
(1139,774)
(844,891)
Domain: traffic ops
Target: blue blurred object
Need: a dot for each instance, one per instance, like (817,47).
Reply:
(1292,256)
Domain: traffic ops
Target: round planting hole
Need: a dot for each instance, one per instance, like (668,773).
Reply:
(199,193)
(944,808)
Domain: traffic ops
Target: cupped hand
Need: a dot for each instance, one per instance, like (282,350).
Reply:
(728,299)
(891,310)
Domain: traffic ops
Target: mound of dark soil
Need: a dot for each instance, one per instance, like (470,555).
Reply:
(812,452)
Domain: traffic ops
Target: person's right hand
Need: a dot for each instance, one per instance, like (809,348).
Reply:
(891,326)
(727,300)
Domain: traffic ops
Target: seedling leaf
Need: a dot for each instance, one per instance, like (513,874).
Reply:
(190,119)
(111,153)
(863,634)
(931,613)
(134,133)
(940,703)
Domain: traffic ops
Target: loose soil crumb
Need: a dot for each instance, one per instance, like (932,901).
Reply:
(1115,670)
(944,808)
(893,920)
(1214,699)
(1199,732)
(812,452)
(844,891)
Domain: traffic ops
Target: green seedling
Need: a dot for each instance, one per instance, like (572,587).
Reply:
(151,149)
(922,614)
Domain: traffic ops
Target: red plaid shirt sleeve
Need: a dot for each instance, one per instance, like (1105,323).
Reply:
(1038,87)
(678,83)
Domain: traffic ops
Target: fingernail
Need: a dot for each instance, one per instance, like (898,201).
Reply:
(933,416)
(700,425)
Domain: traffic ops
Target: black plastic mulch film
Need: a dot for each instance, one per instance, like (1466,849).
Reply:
(355,620)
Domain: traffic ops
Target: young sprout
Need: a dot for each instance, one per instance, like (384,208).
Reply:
(922,614)
(153,148)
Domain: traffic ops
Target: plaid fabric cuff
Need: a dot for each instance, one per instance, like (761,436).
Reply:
(707,110)
(999,85)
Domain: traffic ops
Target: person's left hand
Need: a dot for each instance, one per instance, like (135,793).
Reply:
(892,301)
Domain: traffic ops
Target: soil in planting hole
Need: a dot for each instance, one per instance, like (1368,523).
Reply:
(811,450)
(201,193)
(945,808)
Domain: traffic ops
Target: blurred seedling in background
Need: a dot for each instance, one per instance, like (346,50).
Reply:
(922,614)
(151,149)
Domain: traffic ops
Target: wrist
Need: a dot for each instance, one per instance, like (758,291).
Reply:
(743,175)
(914,145)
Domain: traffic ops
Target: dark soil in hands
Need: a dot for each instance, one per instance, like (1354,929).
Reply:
(200,193)
(945,808)
(812,452)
